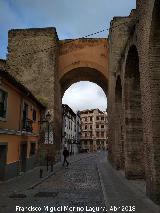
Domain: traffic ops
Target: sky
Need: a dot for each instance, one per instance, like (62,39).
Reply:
(72,19)
(87,95)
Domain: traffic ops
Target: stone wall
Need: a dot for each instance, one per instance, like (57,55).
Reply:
(120,30)
(2,64)
(143,31)
(32,59)
(148,39)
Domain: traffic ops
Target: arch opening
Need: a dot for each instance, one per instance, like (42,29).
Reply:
(134,147)
(83,74)
(119,125)
(93,139)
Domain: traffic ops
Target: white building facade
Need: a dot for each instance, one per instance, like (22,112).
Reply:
(69,129)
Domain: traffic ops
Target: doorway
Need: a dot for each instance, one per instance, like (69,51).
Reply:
(3,160)
(23,156)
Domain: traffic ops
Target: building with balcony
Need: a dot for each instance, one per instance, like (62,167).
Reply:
(20,113)
(94,130)
(78,128)
(70,129)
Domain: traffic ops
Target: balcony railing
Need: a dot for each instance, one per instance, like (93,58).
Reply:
(27,125)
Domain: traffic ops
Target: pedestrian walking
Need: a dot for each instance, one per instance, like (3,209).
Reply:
(65,155)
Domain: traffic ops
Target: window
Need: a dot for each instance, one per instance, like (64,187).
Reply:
(97,134)
(25,115)
(85,126)
(86,119)
(97,118)
(102,126)
(34,115)
(90,126)
(102,118)
(97,126)
(102,134)
(33,148)
(98,143)
(90,118)
(3,103)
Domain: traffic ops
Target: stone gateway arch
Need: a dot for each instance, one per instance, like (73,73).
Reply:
(49,66)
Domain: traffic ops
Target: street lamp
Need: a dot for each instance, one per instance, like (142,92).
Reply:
(48,118)
(46,121)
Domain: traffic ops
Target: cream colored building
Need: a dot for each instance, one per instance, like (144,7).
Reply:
(94,130)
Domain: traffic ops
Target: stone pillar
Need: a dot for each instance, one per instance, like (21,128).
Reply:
(118,122)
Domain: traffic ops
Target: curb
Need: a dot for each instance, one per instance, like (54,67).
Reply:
(103,188)
(41,181)
(53,173)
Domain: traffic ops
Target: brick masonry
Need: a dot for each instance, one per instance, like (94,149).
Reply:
(134,56)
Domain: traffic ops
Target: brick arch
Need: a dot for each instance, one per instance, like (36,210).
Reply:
(134,147)
(87,73)
(154,67)
(118,125)
(83,59)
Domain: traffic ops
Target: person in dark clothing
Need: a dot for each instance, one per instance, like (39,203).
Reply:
(65,155)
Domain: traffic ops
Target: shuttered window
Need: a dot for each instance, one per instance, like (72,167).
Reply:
(3,103)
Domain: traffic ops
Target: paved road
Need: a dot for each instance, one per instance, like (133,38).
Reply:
(77,187)
(90,184)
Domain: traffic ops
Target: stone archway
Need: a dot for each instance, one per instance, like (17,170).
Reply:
(47,66)
(83,60)
(134,147)
(119,144)
(83,74)
(153,181)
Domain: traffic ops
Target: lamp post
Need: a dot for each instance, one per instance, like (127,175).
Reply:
(46,121)
(48,117)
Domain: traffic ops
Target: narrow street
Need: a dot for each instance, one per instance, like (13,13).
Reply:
(89,184)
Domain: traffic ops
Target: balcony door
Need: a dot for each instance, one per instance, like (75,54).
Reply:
(23,156)
(25,115)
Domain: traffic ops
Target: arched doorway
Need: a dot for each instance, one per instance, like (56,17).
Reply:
(119,126)
(86,103)
(153,181)
(83,74)
(134,147)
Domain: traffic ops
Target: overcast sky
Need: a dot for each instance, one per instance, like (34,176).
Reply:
(85,95)
(72,19)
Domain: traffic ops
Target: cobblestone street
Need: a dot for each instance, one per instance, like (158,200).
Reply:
(76,186)
(90,181)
